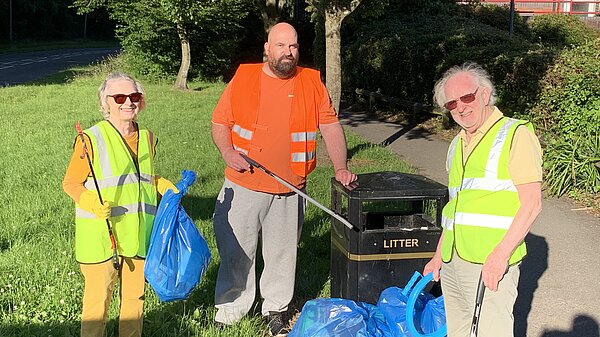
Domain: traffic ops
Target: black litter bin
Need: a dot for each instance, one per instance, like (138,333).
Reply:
(397,225)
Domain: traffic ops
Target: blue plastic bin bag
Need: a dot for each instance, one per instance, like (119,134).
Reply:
(336,317)
(177,254)
(392,302)
(427,313)
(434,316)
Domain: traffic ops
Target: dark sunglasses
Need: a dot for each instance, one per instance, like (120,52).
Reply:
(468,98)
(120,98)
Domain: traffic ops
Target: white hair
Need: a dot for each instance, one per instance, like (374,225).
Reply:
(481,77)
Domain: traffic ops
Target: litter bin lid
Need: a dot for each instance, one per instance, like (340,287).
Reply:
(390,184)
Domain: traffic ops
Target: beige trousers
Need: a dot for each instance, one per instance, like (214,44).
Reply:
(459,286)
(100,279)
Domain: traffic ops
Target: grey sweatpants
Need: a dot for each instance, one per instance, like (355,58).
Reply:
(241,217)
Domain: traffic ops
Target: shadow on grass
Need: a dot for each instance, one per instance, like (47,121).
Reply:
(168,319)
(312,271)
(28,329)
(199,208)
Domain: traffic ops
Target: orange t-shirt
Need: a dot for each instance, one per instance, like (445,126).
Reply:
(272,134)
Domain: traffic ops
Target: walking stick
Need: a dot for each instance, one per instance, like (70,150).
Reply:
(295,189)
(115,256)
(478,302)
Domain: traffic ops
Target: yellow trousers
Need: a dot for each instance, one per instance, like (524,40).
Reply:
(100,279)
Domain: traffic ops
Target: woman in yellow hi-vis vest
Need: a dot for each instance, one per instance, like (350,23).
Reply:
(494,183)
(121,166)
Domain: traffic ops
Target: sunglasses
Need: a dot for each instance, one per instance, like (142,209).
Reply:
(121,98)
(468,98)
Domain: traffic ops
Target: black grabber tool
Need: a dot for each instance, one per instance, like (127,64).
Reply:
(295,189)
(477,312)
(115,257)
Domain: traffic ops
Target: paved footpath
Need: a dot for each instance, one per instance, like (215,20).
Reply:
(559,290)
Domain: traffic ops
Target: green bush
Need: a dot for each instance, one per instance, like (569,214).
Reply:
(218,42)
(568,116)
(561,30)
(573,165)
(404,56)
(569,104)
(497,17)
(547,72)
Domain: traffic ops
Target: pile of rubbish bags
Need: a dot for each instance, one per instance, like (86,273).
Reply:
(408,312)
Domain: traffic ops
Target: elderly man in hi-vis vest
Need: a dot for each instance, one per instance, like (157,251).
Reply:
(494,182)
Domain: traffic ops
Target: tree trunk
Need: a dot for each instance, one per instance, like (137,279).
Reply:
(333,59)
(184,68)
(270,12)
(334,15)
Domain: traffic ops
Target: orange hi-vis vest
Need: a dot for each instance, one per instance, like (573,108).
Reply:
(304,117)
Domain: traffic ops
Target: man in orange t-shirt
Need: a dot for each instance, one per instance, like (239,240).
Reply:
(270,112)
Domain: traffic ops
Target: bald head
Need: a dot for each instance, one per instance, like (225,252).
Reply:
(281,49)
(282,28)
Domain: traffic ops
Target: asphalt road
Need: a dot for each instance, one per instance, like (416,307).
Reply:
(19,68)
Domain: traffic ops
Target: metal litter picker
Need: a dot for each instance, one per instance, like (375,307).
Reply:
(477,312)
(295,189)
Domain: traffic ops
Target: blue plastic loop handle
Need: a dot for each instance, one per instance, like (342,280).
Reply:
(410,309)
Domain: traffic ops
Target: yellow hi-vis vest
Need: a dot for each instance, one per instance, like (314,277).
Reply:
(130,189)
(483,199)
(245,98)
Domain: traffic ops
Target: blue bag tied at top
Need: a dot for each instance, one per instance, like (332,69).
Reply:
(338,317)
(177,255)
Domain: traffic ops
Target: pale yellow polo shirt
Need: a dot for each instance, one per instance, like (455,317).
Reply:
(525,159)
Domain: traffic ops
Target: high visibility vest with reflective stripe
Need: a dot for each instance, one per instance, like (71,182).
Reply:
(245,100)
(131,192)
(483,198)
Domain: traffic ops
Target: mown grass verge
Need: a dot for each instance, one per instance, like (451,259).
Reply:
(41,287)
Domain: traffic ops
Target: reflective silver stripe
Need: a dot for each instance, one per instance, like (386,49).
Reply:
(453,191)
(101,154)
(237,148)
(493,185)
(447,223)
(125,179)
(119,210)
(244,133)
(302,157)
(303,136)
(483,220)
(491,169)
(451,151)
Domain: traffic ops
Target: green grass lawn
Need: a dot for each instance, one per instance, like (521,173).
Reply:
(41,286)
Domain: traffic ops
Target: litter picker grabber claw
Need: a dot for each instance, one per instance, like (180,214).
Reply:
(295,189)
(115,257)
(478,302)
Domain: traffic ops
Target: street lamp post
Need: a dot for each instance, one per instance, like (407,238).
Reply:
(511,22)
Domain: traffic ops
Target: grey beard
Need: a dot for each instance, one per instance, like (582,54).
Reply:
(283,69)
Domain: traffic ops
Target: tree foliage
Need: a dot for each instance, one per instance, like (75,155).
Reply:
(35,20)
(163,37)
